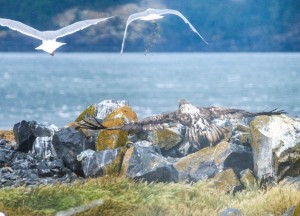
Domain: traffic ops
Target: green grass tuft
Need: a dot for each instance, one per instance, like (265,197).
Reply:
(125,197)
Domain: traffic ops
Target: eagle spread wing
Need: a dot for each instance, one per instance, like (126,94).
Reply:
(197,120)
(229,113)
(198,128)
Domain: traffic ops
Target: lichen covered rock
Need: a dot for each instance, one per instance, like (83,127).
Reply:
(226,182)
(7,135)
(205,163)
(125,161)
(241,138)
(102,109)
(107,162)
(247,179)
(167,138)
(147,163)
(197,166)
(89,111)
(233,156)
(276,146)
(110,139)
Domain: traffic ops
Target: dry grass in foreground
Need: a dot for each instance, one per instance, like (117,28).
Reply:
(125,197)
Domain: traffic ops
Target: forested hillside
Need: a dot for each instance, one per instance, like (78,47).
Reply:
(228,25)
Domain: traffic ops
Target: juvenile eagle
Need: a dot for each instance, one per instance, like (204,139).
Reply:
(197,120)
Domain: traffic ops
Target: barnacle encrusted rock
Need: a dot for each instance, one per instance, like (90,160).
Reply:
(110,139)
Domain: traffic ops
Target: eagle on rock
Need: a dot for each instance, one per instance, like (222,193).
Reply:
(197,120)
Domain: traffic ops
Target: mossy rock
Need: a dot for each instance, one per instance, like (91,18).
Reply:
(248,179)
(114,168)
(262,159)
(241,138)
(166,138)
(110,139)
(242,128)
(227,134)
(297,210)
(244,138)
(125,161)
(226,182)
(204,155)
(201,164)
(256,136)
(7,135)
(275,146)
(89,111)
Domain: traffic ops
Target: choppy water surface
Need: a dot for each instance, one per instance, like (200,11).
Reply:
(36,86)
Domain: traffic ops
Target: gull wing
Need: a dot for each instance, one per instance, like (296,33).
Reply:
(70,29)
(175,12)
(149,11)
(22,28)
(131,18)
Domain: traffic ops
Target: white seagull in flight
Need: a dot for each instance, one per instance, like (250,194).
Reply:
(48,38)
(154,14)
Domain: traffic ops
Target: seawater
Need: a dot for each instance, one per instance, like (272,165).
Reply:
(36,86)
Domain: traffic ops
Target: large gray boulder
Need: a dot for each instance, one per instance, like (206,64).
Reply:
(42,147)
(207,162)
(98,163)
(167,138)
(275,143)
(24,135)
(68,143)
(144,161)
(35,138)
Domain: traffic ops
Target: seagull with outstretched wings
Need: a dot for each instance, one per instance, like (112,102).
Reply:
(48,38)
(198,121)
(154,14)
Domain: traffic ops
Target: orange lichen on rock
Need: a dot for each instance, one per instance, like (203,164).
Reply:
(110,139)
(89,111)
(125,162)
(7,135)
(114,168)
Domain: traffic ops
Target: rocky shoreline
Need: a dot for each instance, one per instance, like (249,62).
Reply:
(255,151)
